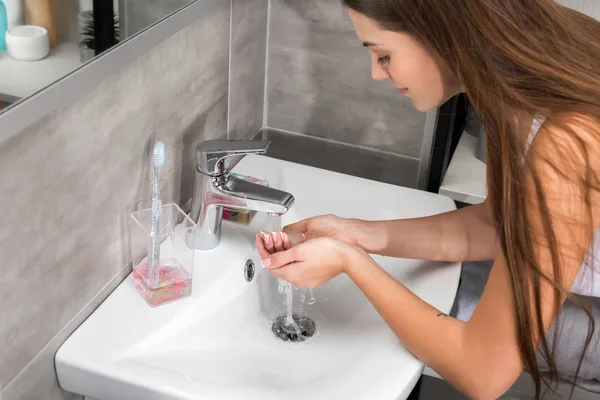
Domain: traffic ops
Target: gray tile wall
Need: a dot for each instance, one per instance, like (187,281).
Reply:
(69,182)
(340,157)
(589,7)
(249,20)
(319,83)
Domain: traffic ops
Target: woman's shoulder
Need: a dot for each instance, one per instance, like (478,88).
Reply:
(569,140)
(583,125)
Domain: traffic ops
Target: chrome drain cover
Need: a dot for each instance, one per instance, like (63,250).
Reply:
(304,328)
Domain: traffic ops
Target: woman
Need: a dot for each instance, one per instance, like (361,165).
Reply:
(531,69)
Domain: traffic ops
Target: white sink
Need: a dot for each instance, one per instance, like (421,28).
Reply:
(218,344)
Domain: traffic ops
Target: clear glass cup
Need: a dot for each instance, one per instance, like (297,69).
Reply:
(170,277)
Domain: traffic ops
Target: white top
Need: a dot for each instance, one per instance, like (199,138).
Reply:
(587,282)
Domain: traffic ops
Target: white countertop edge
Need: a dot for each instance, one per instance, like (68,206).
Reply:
(457,195)
(431,373)
(465,179)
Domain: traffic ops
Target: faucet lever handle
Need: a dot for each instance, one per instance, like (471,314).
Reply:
(212,156)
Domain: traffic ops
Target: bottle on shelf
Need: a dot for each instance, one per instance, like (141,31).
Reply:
(3,26)
(41,13)
(14,13)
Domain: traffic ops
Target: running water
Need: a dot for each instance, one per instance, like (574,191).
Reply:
(286,287)
(289,305)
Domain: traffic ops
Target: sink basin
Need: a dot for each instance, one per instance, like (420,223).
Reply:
(218,344)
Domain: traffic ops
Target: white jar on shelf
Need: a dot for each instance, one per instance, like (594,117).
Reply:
(27,43)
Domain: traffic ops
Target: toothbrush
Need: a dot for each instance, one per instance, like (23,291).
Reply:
(159,156)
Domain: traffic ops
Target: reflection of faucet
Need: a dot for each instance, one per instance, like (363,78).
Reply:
(215,187)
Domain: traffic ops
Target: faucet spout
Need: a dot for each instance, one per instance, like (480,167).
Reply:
(255,197)
(215,187)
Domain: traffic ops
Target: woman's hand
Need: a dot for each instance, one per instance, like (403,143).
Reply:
(311,263)
(352,231)
(331,226)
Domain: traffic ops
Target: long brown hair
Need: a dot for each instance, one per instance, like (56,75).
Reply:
(515,59)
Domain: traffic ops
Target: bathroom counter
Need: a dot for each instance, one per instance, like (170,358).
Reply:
(24,78)
(465,178)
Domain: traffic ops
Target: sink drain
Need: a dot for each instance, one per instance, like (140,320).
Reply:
(303,329)
(249,270)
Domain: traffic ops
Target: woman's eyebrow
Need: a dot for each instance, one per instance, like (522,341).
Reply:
(370,44)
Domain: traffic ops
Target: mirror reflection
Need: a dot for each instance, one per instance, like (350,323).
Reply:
(41,41)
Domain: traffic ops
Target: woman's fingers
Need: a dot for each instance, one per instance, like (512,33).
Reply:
(300,227)
(296,238)
(260,245)
(268,239)
(287,244)
(282,258)
(277,241)
(286,273)
(272,242)
(280,273)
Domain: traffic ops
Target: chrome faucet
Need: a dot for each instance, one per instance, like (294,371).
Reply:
(215,187)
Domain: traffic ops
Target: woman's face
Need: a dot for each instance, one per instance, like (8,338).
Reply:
(407,63)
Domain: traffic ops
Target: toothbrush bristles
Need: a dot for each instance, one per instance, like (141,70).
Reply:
(159,154)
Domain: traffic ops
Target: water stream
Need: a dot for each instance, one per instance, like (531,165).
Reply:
(287,288)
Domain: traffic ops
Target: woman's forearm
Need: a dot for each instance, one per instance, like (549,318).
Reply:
(467,234)
(436,339)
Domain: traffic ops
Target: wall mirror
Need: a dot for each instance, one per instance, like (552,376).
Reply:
(77,32)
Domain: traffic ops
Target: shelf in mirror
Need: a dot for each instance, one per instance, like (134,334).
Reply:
(24,78)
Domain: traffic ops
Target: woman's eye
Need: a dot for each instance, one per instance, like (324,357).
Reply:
(383,60)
